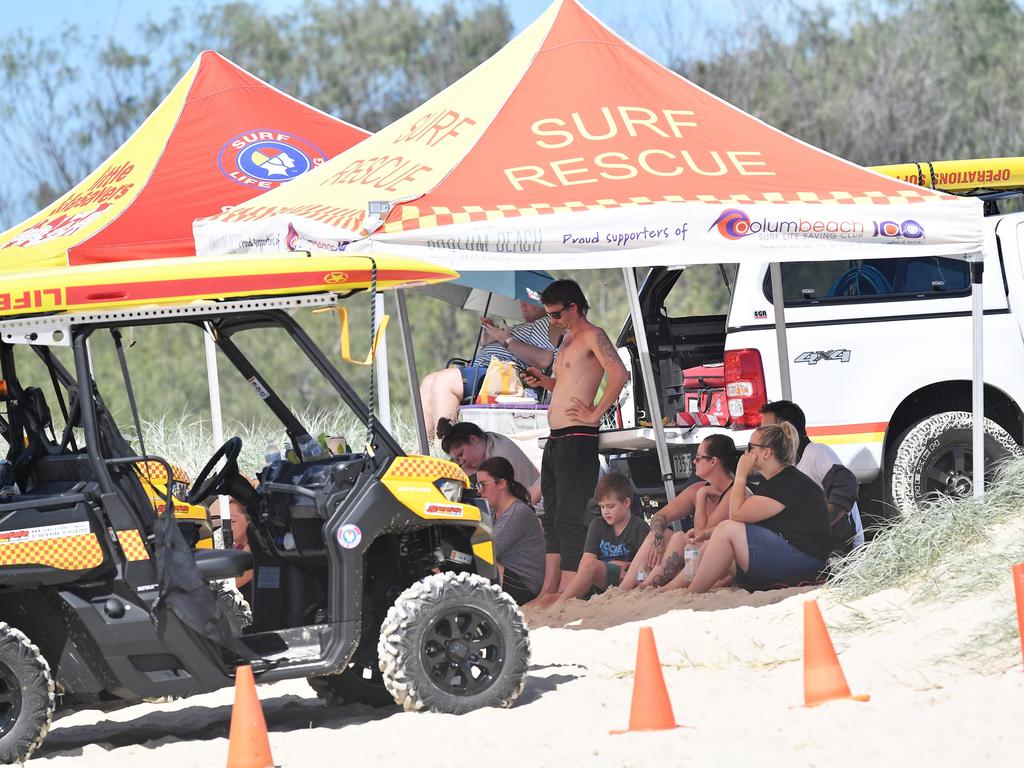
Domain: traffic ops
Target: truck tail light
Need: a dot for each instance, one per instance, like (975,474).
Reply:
(744,387)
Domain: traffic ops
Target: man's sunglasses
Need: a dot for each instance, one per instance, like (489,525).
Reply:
(558,315)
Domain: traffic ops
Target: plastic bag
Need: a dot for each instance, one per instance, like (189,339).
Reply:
(502,378)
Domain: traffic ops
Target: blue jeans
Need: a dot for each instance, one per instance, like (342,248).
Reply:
(472,379)
(773,560)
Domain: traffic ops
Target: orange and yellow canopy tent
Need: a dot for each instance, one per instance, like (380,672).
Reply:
(571,149)
(570,143)
(220,137)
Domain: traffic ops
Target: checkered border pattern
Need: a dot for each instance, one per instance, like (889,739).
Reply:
(154,472)
(414,217)
(132,545)
(68,553)
(424,468)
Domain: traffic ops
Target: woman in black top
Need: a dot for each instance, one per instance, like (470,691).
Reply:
(781,534)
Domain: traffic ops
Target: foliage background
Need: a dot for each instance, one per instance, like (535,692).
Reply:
(874,82)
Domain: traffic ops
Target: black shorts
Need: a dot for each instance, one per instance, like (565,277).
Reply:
(568,476)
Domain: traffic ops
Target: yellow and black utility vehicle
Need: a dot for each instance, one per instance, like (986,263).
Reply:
(373,572)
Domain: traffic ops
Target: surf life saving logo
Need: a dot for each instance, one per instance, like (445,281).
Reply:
(349,536)
(267,159)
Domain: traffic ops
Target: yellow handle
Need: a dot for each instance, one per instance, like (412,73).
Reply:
(346,350)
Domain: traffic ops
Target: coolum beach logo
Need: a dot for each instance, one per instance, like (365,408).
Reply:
(266,159)
(733,224)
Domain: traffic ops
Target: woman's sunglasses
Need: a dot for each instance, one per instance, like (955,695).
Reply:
(481,484)
(754,445)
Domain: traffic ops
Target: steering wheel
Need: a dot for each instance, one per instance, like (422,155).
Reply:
(205,485)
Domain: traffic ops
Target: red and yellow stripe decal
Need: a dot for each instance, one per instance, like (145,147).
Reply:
(843,434)
(172,281)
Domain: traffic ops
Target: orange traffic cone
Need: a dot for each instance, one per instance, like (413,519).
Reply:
(651,709)
(823,677)
(1018,588)
(248,745)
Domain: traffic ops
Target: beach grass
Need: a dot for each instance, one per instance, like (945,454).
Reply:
(187,440)
(950,551)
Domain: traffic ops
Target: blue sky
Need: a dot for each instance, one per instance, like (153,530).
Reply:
(120,16)
(637,20)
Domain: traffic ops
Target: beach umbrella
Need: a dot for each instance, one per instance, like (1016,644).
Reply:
(492,293)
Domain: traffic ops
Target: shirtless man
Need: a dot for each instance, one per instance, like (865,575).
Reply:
(569,468)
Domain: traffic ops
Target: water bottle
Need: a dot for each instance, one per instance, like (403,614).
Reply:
(272,453)
(691,555)
(310,448)
(289,453)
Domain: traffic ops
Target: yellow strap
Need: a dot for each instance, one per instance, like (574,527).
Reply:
(346,351)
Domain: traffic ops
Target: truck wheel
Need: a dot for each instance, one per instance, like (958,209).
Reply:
(26,696)
(935,458)
(454,642)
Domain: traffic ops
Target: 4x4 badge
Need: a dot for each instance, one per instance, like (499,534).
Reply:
(812,358)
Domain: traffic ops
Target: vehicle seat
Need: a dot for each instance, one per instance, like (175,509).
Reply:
(222,563)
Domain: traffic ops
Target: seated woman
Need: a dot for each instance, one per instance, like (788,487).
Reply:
(518,536)
(532,343)
(708,502)
(781,534)
(469,447)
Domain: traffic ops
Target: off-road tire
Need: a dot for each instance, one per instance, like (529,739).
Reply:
(31,704)
(351,687)
(941,446)
(234,606)
(421,615)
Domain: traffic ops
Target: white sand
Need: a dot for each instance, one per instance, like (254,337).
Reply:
(733,671)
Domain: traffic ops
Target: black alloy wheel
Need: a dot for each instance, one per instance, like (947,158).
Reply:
(463,651)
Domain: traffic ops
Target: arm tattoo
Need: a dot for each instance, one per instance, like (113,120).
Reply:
(658,525)
(604,350)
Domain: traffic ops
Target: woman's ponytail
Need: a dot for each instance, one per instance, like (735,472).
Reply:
(782,438)
(500,468)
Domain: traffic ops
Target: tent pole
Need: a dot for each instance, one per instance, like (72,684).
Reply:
(217,423)
(411,374)
(381,366)
(480,333)
(650,385)
(779,302)
(978,376)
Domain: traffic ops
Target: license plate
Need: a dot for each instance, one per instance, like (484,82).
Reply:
(682,465)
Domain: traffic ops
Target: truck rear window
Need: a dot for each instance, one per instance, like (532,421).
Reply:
(871,280)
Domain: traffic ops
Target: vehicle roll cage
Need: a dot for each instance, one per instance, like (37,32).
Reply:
(224,319)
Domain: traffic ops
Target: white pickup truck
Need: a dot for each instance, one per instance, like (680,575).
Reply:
(880,361)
